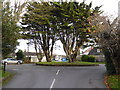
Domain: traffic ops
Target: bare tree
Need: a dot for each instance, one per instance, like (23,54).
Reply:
(108,37)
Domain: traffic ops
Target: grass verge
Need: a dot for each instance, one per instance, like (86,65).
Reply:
(5,77)
(112,82)
(67,64)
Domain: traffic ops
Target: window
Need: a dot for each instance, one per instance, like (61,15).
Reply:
(98,50)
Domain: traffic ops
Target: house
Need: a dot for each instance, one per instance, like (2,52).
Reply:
(86,51)
(97,52)
(83,52)
(33,57)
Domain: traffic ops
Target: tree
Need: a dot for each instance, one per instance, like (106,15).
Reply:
(10,29)
(109,64)
(38,50)
(108,37)
(38,20)
(20,55)
(72,25)
(1,29)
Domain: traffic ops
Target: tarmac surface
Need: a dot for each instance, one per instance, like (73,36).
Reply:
(32,76)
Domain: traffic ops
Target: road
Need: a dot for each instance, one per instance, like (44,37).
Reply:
(32,76)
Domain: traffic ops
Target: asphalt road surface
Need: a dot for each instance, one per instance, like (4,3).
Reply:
(32,76)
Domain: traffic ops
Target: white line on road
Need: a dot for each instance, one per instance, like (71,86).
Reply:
(52,83)
(51,86)
(57,72)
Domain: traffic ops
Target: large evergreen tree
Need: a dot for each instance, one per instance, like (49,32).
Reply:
(38,20)
(73,26)
(46,22)
(10,30)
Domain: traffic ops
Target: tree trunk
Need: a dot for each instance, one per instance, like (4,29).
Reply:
(76,51)
(48,56)
(70,59)
(74,57)
(67,53)
(38,53)
(109,62)
(71,55)
(39,57)
(116,64)
(115,56)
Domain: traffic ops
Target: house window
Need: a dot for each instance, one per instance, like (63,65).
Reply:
(98,50)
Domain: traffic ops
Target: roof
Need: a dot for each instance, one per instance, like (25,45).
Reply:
(95,51)
(34,54)
(86,51)
(30,53)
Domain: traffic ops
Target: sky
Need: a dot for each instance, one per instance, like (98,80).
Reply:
(110,8)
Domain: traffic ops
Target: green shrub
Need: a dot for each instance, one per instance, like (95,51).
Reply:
(91,59)
(88,58)
(85,58)
(20,55)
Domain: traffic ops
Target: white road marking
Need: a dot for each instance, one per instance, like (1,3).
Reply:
(51,86)
(57,72)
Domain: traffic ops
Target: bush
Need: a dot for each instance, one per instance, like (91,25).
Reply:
(91,59)
(20,55)
(88,58)
(84,58)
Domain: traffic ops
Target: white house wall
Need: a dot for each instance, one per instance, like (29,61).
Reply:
(34,59)
(43,59)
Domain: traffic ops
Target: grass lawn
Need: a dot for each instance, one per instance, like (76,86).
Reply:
(67,63)
(5,77)
(0,74)
(114,81)
(6,74)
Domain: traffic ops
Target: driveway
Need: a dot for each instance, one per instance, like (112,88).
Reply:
(32,76)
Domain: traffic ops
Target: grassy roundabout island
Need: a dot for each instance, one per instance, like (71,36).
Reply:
(68,64)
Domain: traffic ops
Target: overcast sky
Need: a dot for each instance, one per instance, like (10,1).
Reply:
(110,7)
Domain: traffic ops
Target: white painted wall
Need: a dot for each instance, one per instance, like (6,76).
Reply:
(43,59)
